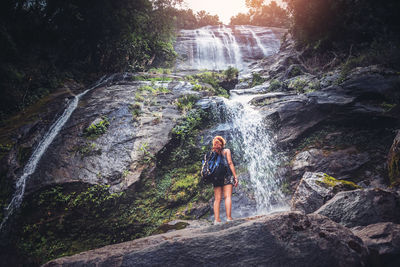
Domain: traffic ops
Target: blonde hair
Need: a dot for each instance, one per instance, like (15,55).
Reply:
(218,144)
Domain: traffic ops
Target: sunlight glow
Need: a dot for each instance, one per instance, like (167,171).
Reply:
(225,9)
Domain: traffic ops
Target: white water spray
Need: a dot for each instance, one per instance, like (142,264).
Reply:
(41,148)
(255,142)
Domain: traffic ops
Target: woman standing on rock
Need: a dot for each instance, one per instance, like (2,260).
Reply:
(224,184)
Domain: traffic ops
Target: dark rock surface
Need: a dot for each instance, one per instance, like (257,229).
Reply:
(362,207)
(394,160)
(342,163)
(315,189)
(115,157)
(384,238)
(284,239)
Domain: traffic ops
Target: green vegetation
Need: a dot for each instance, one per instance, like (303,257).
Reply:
(136,110)
(97,128)
(212,78)
(275,85)
(186,19)
(256,79)
(155,90)
(186,102)
(298,85)
(146,156)
(87,149)
(231,73)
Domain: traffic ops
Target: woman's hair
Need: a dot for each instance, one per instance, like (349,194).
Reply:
(218,144)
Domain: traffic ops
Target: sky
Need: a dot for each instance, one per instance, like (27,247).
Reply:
(225,9)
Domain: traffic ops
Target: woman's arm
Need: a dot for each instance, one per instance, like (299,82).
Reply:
(231,166)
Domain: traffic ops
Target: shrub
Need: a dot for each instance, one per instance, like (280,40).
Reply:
(97,128)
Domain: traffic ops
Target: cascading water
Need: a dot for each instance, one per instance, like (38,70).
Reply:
(253,141)
(218,47)
(41,148)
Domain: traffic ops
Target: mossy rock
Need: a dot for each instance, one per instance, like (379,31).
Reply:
(337,185)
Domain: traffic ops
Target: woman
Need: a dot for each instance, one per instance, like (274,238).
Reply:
(224,184)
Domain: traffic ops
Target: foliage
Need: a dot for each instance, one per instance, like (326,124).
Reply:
(325,24)
(97,128)
(187,19)
(256,79)
(275,85)
(136,110)
(261,14)
(186,102)
(147,157)
(212,78)
(231,73)
(43,43)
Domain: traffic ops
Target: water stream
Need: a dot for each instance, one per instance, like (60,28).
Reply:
(257,152)
(41,148)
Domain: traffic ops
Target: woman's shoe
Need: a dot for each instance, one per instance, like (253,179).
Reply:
(217,222)
(229,220)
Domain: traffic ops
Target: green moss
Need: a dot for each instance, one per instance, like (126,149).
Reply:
(388,106)
(167,227)
(332,182)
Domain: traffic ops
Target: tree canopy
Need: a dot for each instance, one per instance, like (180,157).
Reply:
(261,14)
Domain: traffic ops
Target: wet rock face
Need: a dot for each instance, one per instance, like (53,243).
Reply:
(362,207)
(284,239)
(112,135)
(315,189)
(394,160)
(384,239)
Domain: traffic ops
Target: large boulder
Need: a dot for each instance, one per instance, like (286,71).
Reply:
(362,207)
(284,239)
(394,160)
(315,189)
(384,238)
(340,163)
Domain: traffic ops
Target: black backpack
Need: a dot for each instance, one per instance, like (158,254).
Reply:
(213,167)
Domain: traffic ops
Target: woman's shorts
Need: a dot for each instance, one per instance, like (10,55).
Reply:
(227,180)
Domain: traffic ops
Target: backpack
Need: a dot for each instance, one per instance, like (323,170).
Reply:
(213,167)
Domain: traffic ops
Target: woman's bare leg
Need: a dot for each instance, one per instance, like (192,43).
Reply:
(228,200)
(217,202)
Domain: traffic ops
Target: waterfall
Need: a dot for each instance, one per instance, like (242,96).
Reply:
(259,44)
(218,47)
(41,148)
(253,141)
